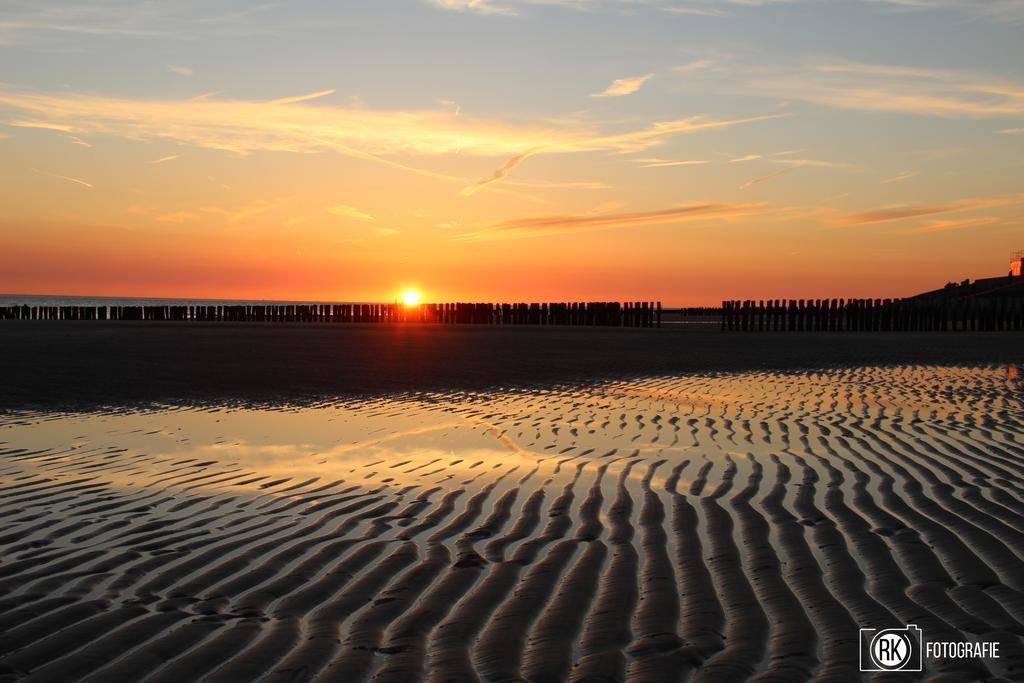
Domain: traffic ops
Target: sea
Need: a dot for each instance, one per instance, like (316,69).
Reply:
(65,300)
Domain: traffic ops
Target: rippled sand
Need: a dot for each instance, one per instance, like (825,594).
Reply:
(674,528)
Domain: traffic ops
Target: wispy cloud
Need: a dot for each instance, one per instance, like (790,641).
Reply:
(695,65)
(176,217)
(164,160)
(624,86)
(63,177)
(764,179)
(289,124)
(481,6)
(77,141)
(1005,10)
(303,98)
(127,19)
(905,212)
(296,124)
(632,141)
(35,26)
(771,159)
(661,163)
(818,163)
(501,172)
(1002,10)
(45,125)
(948,225)
(240,213)
(180,70)
(538,226)
(900,178)
(1012,131)
(346,211)
(876,87)
(696,10)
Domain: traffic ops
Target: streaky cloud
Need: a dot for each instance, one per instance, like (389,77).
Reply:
(77,141)
(765,178)
(501,172)
(817,163)
(1000,10)
(303,98)
(663,163)
(45,125)
(946,93)
(1004,10)
(346,211)
(538,226)
(177,217)
(290,124)
(632,141)
(948,225)
(621,87)
(241,213)
(900,213)
(899,178)
(77,181)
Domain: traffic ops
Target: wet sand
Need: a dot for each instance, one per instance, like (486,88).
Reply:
(723,527)
(84,364)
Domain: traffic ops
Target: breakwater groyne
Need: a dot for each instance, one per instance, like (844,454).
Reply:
(606,314)
(873,315)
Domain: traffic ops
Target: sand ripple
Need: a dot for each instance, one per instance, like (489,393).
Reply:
(701,528)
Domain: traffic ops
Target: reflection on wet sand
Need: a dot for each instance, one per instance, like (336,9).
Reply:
(714,527)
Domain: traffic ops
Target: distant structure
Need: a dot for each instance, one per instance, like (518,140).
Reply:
(1010,285)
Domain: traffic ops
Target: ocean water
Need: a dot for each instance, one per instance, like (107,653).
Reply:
(64,300)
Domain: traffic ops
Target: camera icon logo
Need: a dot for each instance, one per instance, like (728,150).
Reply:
(891,649)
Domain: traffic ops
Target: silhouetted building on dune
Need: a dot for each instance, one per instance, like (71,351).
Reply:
(1010,285)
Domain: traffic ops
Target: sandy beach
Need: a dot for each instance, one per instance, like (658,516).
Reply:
(511,341)
(707,527)
(90,364)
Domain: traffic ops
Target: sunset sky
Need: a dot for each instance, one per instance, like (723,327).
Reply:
(682,150)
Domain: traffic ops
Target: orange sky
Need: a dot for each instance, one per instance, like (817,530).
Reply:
(351,153)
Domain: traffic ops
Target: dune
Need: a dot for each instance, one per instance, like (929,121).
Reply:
(720,526)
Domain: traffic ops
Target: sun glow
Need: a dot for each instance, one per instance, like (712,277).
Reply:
(410,297)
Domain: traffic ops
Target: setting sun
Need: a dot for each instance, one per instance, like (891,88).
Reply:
(410,297)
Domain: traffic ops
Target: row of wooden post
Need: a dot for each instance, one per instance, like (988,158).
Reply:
(608,314)
(873,315)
